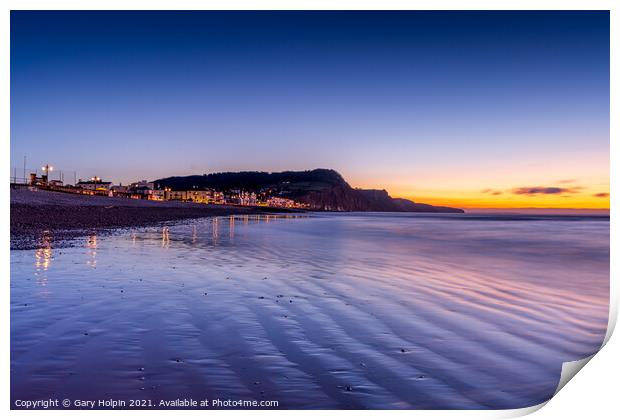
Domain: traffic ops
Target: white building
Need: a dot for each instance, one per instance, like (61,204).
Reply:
(158,195)
(119,189)
(144,184)
(200,196)
(285,203)
(247,199)
(95,184)
(175,195)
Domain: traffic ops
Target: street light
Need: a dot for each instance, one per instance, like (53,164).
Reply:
(95,180)
(47,168)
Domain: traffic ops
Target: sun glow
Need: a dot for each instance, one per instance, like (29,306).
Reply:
(506,199)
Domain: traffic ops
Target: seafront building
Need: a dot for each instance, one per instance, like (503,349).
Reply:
(119,190)
(145,190)
(247,199)
(281,202)
(94,184)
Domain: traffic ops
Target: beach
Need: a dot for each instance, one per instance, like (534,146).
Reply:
(313,310)
(64,216)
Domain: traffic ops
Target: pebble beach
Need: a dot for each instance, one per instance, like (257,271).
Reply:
(64,216)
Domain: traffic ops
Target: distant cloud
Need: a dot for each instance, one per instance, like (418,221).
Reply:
(601,195)
(566,181)
(491,191)
(545,190)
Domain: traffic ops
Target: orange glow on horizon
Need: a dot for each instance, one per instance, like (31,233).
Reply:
(507,200)
(548,196)
(567,180)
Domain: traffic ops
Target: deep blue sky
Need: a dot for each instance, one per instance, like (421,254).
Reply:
(404,100)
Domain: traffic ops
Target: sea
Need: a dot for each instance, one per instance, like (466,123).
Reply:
(312,311)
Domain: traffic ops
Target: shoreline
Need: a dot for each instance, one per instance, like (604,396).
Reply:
(62,217)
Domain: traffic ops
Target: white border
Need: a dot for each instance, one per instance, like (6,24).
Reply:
(595,386)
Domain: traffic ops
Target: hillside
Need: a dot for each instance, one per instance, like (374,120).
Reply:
(322,189)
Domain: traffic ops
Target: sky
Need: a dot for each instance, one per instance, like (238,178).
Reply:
(470,109)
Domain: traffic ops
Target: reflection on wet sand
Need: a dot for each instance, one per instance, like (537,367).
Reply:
(215,228)
(91,253)
(194,234)
(43,258)
(231,228)
(165,237)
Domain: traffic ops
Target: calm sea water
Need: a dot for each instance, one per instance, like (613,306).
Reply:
(325,311)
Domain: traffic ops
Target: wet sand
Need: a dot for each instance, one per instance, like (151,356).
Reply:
(64,216)
(313,311)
